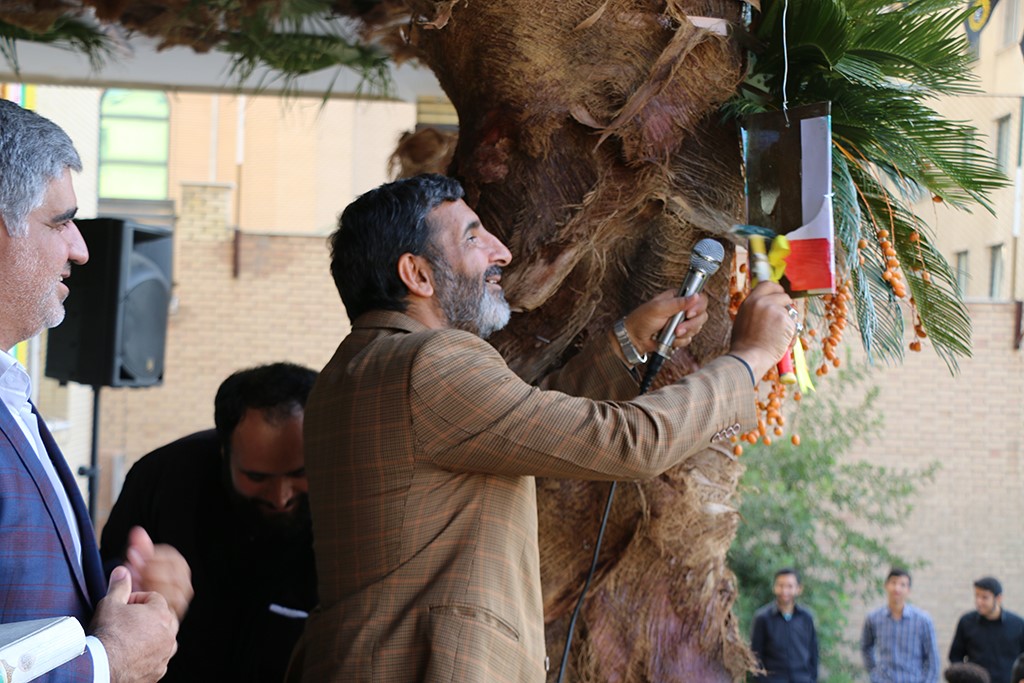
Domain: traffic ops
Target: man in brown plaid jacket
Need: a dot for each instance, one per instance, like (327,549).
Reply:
(422,445)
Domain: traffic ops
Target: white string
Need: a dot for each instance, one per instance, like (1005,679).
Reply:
(785,63)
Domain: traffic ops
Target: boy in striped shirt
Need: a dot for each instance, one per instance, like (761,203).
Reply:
(898,642)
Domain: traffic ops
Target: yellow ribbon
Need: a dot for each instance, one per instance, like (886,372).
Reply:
(777,257)
(803,375)
(777,263)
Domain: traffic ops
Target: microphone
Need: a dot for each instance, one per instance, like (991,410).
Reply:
(705,259)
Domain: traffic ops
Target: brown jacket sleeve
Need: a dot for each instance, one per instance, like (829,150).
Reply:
(472,413)
(595,372)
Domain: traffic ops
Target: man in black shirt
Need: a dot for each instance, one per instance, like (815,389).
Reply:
(233,502)
(989,636)
(784,638)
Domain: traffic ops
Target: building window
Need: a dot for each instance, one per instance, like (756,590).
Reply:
(962,273)
(995,280)
(1011,25)
(1003,143)
(134,144)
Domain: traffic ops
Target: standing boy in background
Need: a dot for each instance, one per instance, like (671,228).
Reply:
(783,636)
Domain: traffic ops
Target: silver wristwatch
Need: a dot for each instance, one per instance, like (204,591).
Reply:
(633,357)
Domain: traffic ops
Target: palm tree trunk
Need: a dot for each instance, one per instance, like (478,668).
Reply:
(588,142)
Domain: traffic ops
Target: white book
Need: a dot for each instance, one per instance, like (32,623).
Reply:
(29,649)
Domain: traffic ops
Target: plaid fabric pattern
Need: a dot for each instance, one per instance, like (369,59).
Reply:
(39,575)
(421,448)
(903,651)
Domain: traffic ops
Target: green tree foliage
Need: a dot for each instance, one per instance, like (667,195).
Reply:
(832,519)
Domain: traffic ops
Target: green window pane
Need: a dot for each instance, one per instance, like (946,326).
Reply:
(134,144)
(128,140)
(134,103)
(132,181)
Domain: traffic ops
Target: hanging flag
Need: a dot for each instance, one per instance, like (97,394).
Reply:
(788,162)
(981,12)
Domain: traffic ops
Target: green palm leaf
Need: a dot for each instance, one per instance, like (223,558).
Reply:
(69,33)
(881,64)
(287,38)
(299,37)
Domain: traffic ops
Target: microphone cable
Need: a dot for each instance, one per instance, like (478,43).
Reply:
(705,259)
(590,577)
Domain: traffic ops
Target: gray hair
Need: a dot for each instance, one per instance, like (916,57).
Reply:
(33,152)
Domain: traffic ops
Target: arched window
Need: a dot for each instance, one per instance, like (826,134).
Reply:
(134,143)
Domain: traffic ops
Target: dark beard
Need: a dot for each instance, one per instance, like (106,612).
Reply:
(254,520)
(465,301)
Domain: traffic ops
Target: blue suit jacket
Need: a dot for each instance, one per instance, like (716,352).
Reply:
(39,576)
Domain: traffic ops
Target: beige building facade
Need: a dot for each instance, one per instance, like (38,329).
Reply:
(984,247)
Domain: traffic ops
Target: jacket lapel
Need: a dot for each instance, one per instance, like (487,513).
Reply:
(91,563)
(30,462)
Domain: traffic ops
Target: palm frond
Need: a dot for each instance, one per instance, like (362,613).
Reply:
(857,69)
(299,37)
(292,55)
(817,43)
(68,33)
(846,206)
(880,318)
(932,282)
(881,64)
(920,43)
(281,40)
(934,289)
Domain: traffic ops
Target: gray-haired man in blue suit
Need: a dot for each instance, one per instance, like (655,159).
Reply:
(49,564)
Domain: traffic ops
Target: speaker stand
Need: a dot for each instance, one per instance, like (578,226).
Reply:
(92,472)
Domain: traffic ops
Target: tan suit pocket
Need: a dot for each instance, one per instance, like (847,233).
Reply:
(470,644)
(478,614)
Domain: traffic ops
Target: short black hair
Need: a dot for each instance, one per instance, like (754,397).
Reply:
(373,233)
(278,389)
(966,672)
(990,584)
(788,570)
(898,571)
(1018,670)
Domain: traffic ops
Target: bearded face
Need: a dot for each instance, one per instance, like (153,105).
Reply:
(468,301)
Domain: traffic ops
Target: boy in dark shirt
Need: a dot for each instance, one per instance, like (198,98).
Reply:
(784,638)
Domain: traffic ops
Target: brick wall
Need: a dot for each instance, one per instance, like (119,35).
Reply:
(970,521)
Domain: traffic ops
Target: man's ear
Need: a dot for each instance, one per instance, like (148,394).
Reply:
(415,273)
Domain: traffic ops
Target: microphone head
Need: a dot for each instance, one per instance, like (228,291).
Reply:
(707,256)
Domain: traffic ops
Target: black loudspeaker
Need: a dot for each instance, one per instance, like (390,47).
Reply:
(115,328)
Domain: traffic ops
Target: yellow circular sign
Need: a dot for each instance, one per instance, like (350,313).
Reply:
(979,17)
